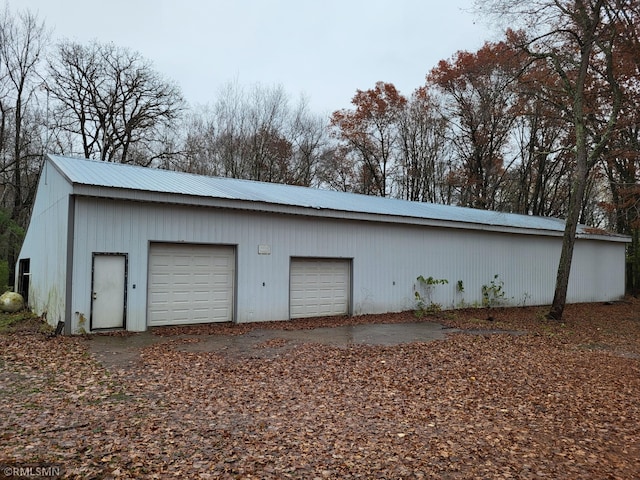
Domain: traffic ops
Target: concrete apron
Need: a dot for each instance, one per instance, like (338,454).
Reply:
(376,334)
(122,351)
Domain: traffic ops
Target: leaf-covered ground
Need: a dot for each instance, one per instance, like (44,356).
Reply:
(559,402)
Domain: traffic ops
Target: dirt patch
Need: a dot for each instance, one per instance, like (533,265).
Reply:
(23,322)
(117,350)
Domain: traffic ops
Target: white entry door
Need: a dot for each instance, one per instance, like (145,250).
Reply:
(108,295)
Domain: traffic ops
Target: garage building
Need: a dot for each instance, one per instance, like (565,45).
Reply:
(114,246)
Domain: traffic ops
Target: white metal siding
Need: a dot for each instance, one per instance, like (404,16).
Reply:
(386,258)
(593,275)
(45,245)
(190,284)
(319,287)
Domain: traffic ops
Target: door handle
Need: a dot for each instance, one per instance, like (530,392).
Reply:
(95,295)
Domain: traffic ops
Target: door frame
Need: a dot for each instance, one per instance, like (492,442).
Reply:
(126,282)
(24,277)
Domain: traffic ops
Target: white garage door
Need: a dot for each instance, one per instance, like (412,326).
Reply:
(319,287)
(190,284)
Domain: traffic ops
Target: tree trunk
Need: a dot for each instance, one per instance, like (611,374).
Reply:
(579,180)
(576,197)
(569,238)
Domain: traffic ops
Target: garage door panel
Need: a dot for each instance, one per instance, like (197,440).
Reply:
(219,279)
(190,284)
(319,287)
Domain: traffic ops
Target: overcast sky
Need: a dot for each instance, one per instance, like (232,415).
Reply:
(323,49)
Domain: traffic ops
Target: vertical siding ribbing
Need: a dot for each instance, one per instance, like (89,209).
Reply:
(46,246)
(387,258)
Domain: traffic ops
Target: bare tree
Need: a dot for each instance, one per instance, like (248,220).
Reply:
(22,40)
(112,102)
(538,183)
(309,136)
(423,147)
(199,144)
(255,134)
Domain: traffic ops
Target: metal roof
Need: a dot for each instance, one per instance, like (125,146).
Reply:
(129,177)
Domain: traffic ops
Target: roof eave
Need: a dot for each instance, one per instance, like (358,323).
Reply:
(250,205)
(127,194)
